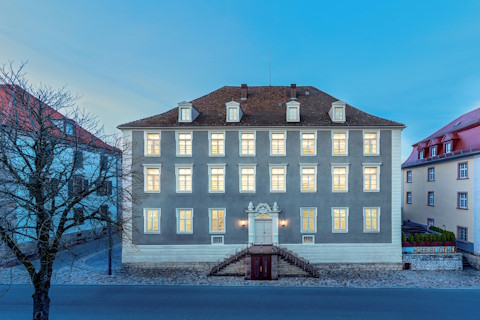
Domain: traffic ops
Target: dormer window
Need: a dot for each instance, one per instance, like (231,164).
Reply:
(337,112)
(433,151)
(293,111)
(448,147)
(234,113)
(421,154)
(69,128)
(186,112)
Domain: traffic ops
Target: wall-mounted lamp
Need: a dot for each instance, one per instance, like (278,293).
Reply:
(283,223)
(243,223)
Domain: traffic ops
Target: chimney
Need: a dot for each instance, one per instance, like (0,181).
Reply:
(293,91)
(244,91)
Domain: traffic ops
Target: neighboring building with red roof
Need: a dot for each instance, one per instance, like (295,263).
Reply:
(280,166)
(21,115)
(441,180)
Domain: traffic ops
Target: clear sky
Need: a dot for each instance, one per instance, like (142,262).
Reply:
(416,62)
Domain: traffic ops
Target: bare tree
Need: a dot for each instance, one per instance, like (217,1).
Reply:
(56,174)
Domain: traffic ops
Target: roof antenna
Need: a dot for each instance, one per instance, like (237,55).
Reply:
(270,65)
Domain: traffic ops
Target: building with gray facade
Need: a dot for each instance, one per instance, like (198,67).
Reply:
(285,166)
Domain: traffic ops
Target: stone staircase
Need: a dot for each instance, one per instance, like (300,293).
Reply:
(466,263)
(289,263)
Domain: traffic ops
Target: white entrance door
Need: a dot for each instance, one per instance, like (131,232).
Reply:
(263,232)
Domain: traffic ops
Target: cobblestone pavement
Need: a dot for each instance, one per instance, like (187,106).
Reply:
(91,270)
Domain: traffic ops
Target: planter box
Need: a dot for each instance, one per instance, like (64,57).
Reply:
(429,250)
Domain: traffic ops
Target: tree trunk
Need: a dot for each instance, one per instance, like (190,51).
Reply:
(41,303)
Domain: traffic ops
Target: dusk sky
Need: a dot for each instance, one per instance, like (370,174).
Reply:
(416,62)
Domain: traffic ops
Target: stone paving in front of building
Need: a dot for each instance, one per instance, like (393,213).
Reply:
(91,270)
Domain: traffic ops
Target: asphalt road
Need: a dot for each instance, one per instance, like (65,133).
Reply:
(194,302)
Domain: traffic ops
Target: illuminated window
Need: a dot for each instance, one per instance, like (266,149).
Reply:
(308,239)
(277,143)
(339,178)
(371,178)
(151,220)
(339,143)
(309,143)
(184,220)
(247,144)
(370,143)
(217,144)
(247,178)
(217,178)
(371,217)
(278,178)
(151,178)
(184,178)
(217,220)
(308,178)
(152,143)
(339,220)
(308,220)
(184,144)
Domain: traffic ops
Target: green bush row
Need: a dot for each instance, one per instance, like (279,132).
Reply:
(445,236)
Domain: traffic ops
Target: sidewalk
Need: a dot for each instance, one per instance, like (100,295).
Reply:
(91,269)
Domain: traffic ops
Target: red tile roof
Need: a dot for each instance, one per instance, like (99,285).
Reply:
(23,117)
(464,131)
(264,106)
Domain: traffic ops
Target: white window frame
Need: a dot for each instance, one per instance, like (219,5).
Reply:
(292,105)
(275,166)
(421,154)
(308,166)
(216,166)
(308,236)
(378,142)
(145,143)
(346,142)
(431,151)
(145,182)
(371,165)
(314,143)
(449,149)
(365,230)
(145,231)
(247,166)
(460,200)
(347,171)
(177,133)
(178,221)
(237,112)
(284,141)
(301,220)
(217,236)
(210,221)
(465,170)
(210,154)
(182,166)
(430,176)
(180,114)
(342,119)
(240,143)
(346,220)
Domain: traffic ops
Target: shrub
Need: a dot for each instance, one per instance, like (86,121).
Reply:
(403,237)
(444,237)
(417,237)
(411,239)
